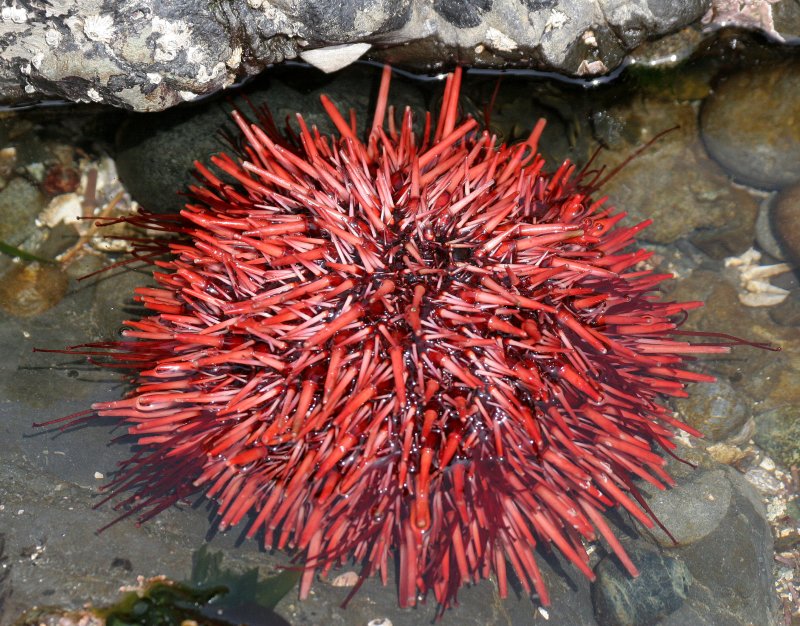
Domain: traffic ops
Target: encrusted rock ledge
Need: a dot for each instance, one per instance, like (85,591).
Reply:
(148,55)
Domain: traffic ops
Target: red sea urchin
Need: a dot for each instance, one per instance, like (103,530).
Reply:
(425,345)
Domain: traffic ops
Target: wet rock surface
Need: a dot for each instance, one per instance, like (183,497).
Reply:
(788,312)
(778,432)
(724,541)
(658,591)
(673,182)
(29,289)
(715,409)
(765,232)
(760,377)
(20,203)
(151,55)
(777,20)
(762,150)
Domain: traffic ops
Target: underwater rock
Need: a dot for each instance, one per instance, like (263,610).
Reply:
(760,149)
(786,222)
(27,290)
(659,590)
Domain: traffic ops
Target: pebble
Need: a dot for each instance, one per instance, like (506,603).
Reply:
(345,579)
(786,222)
(20,202)
(763,481)
(715,409)
(27,290)
(751,125)
(693,510)
(765,236)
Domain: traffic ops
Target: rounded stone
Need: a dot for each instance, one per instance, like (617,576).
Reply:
(786,222)
(765,234)
(692,510)
(20,203)
(27,290)
(751,125)
(659,590)
(778,432)
(673,182)
(716,409)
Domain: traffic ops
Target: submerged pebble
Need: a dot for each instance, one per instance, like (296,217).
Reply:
(778,432)
(27,290)
(786,222)
(674,182)
(20,202)
(715,409)
(751,125)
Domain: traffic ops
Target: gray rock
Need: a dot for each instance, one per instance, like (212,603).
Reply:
(5,583)
(462,14)
(20,203)
(156,152)
(658,591)
(732,566)
(786,20)
(692,510)
(778,432)
(785,221)
(765,235)
(787,313)
(718,410)
(779,20)
(148,55)
(724,539)
(634,20)
(673,182)
(760,150)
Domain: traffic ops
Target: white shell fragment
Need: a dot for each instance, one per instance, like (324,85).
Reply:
(332,58)
(346,579)
(754,286)
(65,207)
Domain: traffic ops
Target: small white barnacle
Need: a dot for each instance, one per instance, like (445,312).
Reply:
(14,14)
(99,28)
(52,37)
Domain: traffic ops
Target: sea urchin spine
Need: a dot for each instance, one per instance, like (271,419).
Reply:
(421,344)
